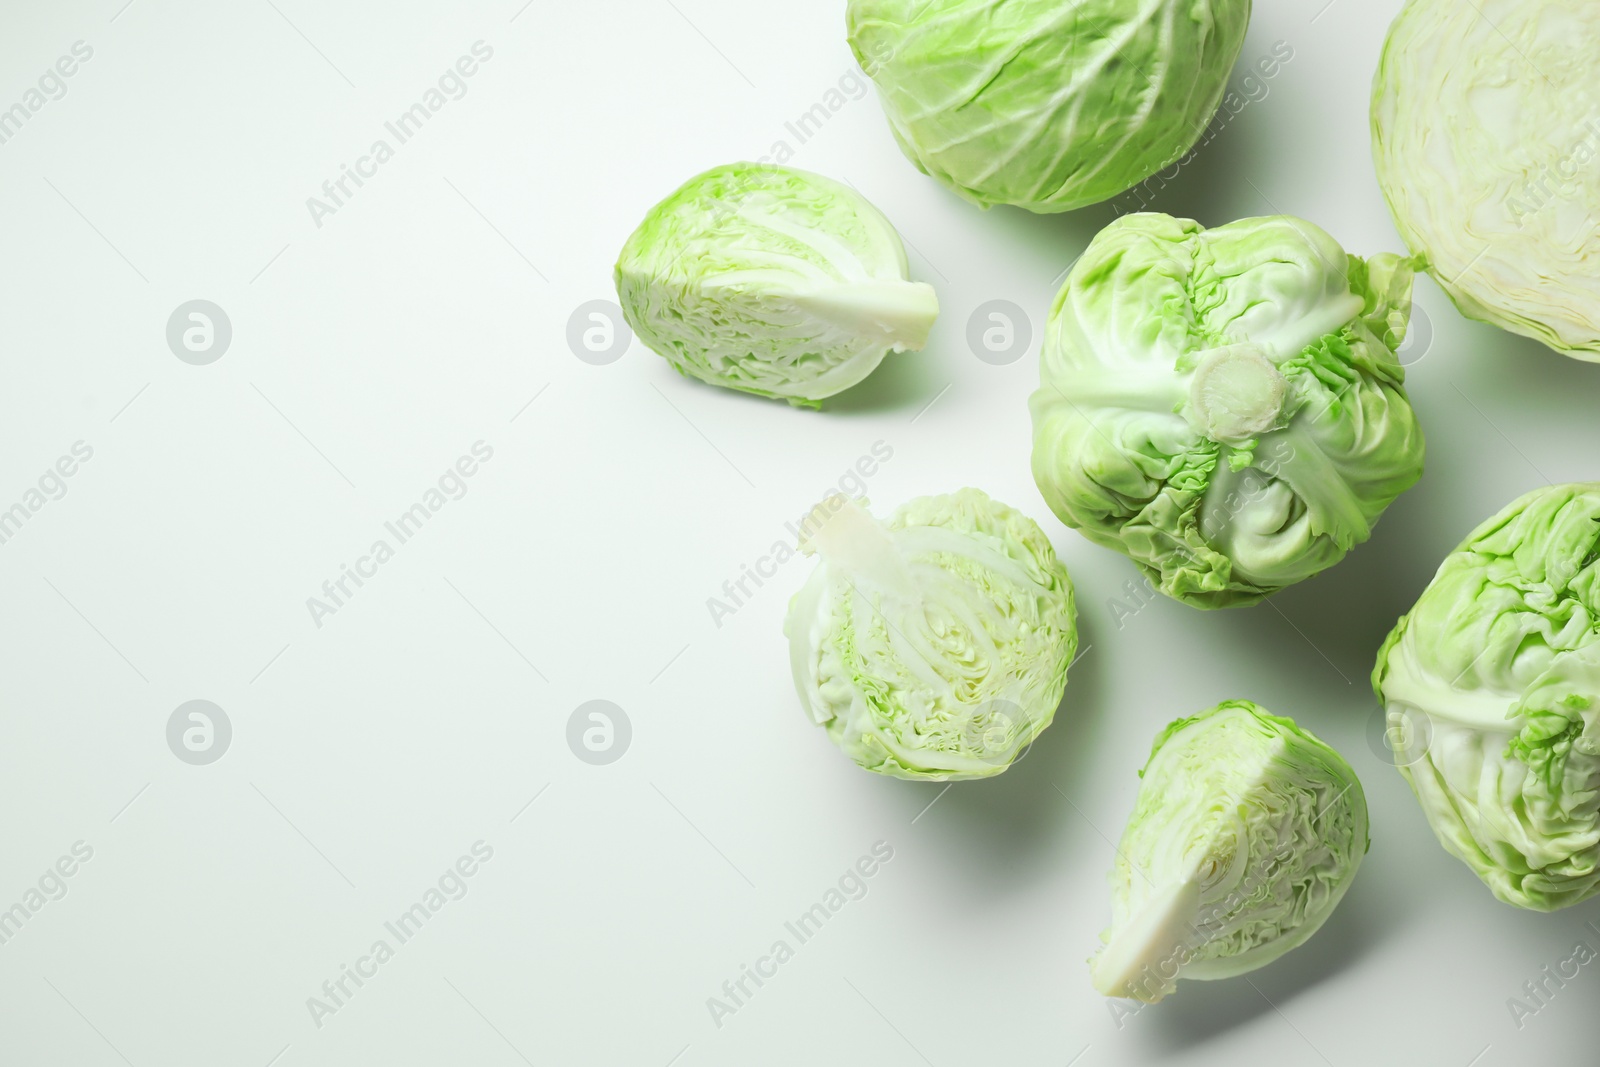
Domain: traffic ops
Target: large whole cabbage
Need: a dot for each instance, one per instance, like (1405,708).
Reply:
(1486,136)
(1225,406)
(772,281)
(1494,680)
(934,646)
(1246,834)
(1047,104)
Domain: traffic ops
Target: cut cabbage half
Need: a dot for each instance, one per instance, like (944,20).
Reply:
(1486,137)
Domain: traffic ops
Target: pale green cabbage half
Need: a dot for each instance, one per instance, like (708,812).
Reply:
(1486,137)
(772,281)
(1494,675)
(1047,104)
(1246,834)
(934,646)
(1225,406)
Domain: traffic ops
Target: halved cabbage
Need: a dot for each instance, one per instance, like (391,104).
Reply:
(934,646)
(1246,834)
(1487,143)
(772,281)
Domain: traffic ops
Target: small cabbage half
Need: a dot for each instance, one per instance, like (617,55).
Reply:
(935,646)
(772,281)
(1486,137)
(1246,834)
(1491,685)
(1225,406)
(1047,104)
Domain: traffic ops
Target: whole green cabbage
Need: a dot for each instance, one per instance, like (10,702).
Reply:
(1246,834)
(1047,104)
(934,646)
(772,281)
(1225,406)
(1494,677)
(1486,137)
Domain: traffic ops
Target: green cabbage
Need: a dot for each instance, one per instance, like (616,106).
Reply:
(935,646)
(1486,137)
(1225,406)
(1246,834)
(1047,104)
(1496,672)
(771,281)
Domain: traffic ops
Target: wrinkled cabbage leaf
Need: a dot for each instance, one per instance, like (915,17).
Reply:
(1496,672)
(1225,406)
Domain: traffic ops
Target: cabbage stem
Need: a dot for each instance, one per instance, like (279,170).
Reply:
(1144,955)
(898,313)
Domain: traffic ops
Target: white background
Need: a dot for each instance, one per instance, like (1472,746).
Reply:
(370,753)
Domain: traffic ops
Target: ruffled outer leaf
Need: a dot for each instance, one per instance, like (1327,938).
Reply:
(1123,451)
